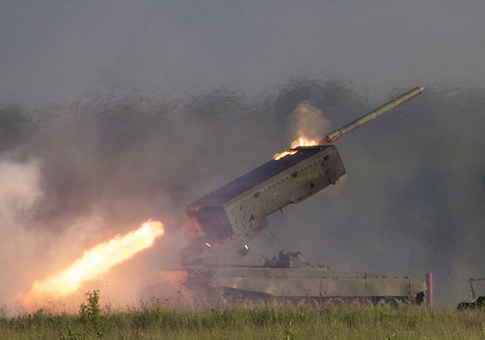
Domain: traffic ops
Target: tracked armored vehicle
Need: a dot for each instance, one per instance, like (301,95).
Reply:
(220,266)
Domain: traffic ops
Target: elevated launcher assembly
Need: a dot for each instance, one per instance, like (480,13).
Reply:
(232,215)
(237,211)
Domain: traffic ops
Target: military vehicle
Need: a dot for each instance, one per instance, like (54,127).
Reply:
(220,266)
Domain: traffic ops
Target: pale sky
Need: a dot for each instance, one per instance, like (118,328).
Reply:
(53,50)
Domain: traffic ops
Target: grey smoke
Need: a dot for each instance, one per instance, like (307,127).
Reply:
(412,202)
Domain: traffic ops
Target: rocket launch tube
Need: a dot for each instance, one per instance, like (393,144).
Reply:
(334,135)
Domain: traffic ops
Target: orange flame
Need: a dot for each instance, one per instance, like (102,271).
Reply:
(279,156)
(301,141)
(97,261)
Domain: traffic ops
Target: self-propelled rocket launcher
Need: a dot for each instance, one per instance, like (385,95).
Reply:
(220,265)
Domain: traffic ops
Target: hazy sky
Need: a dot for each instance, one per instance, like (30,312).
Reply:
(55,49)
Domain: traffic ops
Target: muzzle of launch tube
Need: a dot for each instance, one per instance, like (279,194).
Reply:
(334,135)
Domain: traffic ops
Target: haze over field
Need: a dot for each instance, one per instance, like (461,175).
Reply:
(114,113)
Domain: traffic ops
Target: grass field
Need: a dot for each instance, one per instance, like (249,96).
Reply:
(333,322)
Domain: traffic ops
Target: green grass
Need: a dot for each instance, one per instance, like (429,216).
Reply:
(334,322)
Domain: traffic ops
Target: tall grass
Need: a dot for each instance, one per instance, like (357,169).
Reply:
(333,322)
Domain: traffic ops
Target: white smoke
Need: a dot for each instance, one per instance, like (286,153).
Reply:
(307,122)
(27,251)
(19,191)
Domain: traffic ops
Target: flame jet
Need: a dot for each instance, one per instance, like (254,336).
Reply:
(96,261)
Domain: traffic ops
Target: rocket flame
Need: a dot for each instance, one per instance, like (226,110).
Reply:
(279,156)
(309,124)
(97,261)
(301,141)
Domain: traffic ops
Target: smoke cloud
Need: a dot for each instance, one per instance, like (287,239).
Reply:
(307,124)
(18,192)
(78,174)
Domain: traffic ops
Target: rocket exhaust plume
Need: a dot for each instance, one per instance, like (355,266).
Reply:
(306,128)
(96,261)
(279,156)
(310,121)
